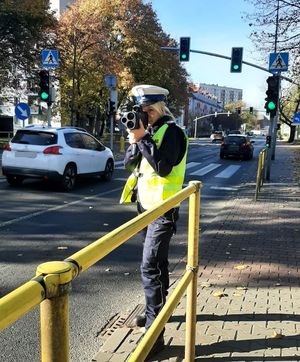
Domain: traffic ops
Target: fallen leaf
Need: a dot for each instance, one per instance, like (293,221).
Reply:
(276,335)
(126,274)
(219,294)
(205,285)
(108,269)
(241,266)
(241,288)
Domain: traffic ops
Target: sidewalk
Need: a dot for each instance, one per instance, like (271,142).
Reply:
(248,288)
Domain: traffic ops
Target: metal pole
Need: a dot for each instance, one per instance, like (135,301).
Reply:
(55,329)
(54,311)
(268,171)
(111,116)
(49,115)
(196,124)
(192,263)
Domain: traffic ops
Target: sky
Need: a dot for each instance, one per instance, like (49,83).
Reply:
(216,26)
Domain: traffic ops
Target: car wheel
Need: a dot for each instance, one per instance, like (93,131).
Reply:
(14,180)
(69,178)
(109,169)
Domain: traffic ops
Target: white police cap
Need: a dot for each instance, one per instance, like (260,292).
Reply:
(146,94)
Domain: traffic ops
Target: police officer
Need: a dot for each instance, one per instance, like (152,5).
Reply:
(157,159)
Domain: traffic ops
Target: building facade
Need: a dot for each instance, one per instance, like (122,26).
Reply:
(223,94)
(59,6)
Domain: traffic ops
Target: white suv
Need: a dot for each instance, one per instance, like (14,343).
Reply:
(55,154)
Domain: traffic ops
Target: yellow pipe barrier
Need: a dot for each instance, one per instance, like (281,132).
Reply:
(20,301)
(192,263)
(122,144)
(51,286)
(260,176)
(94,252)
(54,316)
(189,282)
(157,326)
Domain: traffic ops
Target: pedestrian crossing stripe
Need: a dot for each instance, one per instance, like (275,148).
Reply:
(226,173)
(278,63)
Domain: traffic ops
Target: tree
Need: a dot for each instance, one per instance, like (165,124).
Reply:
(121,37)
(276,27)
(25,29)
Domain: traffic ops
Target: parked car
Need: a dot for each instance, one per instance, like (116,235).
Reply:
(55,154)
(216,136)
(237,145)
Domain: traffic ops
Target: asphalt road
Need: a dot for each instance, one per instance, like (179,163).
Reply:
(39,224)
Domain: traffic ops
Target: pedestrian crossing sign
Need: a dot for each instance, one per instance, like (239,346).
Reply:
(278,62)
(50,58)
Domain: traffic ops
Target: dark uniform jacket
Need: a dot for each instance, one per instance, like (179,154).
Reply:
(169,154)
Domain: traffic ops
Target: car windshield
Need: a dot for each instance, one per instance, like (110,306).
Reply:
(236,140)
(39,138)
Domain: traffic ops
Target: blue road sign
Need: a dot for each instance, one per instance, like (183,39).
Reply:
(22,111)
(278,62)
(50,58)
(296,120)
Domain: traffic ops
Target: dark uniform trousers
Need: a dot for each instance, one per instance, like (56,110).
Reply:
(154,267)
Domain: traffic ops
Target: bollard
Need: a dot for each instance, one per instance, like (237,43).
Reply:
(54,318)
(122,144)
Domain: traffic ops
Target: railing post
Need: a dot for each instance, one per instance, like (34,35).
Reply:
(192,263)
(54,317)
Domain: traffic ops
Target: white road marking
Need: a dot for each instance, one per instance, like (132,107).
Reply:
(228,172)
(55,208)
(191,164)
(223,188)
(204,170)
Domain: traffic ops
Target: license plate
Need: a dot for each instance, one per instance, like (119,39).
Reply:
(234,148)
(25,154)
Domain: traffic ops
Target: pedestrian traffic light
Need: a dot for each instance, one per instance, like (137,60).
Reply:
(272,95)
(44,92)
(251,110)
(184,49)
(268,142)
(236,60)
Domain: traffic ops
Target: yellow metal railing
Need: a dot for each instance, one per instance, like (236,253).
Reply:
(261,171)
(50,288)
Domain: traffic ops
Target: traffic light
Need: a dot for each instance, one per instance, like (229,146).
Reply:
(268,142)
(184,49)
(236,60)
(44,92)
(272,95)
(238,110)
(251,110)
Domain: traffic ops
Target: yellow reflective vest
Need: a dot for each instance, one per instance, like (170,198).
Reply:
(152,188)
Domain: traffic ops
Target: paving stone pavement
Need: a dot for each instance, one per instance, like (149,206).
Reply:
(250,257)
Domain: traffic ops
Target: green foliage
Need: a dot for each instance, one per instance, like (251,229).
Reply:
(98,37)
(24,31)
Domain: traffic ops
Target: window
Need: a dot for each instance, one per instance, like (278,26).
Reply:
(74,140)
(91,143)
(38,138)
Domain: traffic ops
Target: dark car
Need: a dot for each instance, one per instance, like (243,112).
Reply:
(238,146)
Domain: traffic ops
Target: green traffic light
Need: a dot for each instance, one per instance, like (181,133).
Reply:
(44,96)
(235,67)
(271,106)
(183,56)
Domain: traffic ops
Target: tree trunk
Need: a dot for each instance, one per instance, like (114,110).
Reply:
(292,134)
